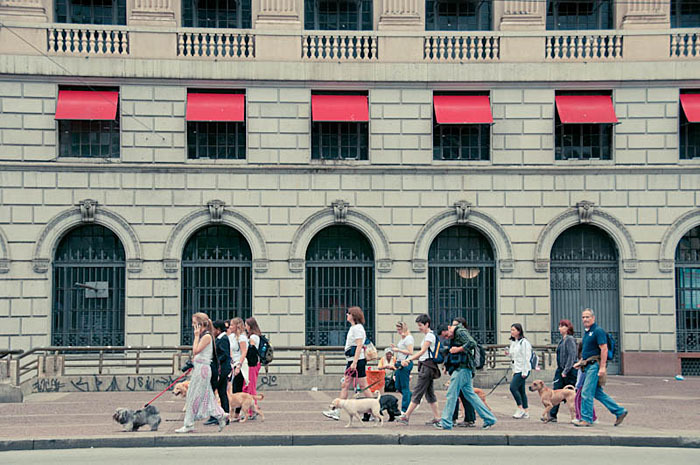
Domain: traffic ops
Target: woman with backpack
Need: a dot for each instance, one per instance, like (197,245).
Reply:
(402,376)
(253,357)
(520,352)
(239,352)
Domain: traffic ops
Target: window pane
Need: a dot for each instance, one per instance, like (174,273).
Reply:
(216,140)
(333,15)
(108,12)
(579,14)
(99,139)
(458,15)
(231,14)
(333,141)
(461,141)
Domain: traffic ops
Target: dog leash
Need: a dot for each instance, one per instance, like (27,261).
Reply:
(364,389)
(168,388)
(498,384)
(353,373)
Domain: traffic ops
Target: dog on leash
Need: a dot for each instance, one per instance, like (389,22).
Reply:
(180,389)
(389,404)
(551,397)
(479,392)
(132,420)
(246,402)
(355,407)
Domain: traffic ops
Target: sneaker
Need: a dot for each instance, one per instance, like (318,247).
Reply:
(434,421)
(253,416)
(487,426)
(211,421)
(519,414)
(185,429)
(222,422)
(438,425)
(581,423)
(525,415)
(466,424)
(621,418)
(402,420)
(332,414)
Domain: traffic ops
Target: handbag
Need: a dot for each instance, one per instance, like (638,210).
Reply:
(370,351)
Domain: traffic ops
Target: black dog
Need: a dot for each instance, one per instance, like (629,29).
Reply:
(132,420)
(389,404)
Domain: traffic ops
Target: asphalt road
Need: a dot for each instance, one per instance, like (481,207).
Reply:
(404,455)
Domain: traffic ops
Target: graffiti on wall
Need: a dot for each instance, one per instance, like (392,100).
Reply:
(97,383)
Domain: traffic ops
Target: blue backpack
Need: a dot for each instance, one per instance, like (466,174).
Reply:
(611,347)
(437,355)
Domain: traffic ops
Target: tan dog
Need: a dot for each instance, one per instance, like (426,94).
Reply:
(551,397)
(478,392)
(180,389)
(246,402)
(355,407)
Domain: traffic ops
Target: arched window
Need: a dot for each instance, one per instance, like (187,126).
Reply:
(579,14)
(462,281)
(338,15)
(216,276)
(688,297)
(111,12)
(88,289)
(230,14)
(458,15)
(584,274)
(339,274)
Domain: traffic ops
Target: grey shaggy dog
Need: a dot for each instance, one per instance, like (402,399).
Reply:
(132,420)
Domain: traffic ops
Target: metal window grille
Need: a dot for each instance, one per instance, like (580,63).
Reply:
(688,292)
(216,140)
(107,12)
(579,14)
(685,13)
(216,277)
(461,141)
(583,141)
(584,274)
(343,15)
(690,138)
(88,139)
(231,14)
(87,257)
(690,366)
(339,141)
(458,15)
(339,274)
(462,281)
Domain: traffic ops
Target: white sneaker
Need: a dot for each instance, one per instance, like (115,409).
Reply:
(519,414)
(332,414)
(185,429)
(525,415)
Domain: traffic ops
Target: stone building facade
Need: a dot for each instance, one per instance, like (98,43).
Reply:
(644,199)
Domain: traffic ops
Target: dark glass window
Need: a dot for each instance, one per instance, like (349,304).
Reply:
(458,15)
(579,14)
(461,141)
(339,141)
(91,11)
(685,13)
(582,141)
(216,140)
(329,15)
(689,138)
(88,139)
(231,14)
(688,292)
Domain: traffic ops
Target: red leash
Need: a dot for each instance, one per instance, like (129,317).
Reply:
(168,388)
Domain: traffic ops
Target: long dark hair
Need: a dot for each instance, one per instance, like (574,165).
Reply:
(519,327)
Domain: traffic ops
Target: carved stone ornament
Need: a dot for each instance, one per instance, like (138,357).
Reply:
(463,209)
(296,265)
(541,265)
(384,265)
(216,210)
(506,265)
(666,265)
(340,210)
(420,265)
(4,265)
(260,265)
(87,210)
(41,265)
(171,265)
(629,265)
(134,265)
(585,211)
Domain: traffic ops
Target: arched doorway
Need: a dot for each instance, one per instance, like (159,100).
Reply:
(462,281)
(339,274)
(688,300)
(89,269)
(584,274)
(216,277)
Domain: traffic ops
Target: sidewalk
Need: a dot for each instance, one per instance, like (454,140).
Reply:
(663,412)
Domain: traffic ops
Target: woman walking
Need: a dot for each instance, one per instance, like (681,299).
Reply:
(520,352)
(200,402)
(253,357)
(239,351)
(566,374)
(402,352)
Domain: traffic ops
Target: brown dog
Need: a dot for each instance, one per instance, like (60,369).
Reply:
(180,389)
(478,392)
(246,402)
(551,397)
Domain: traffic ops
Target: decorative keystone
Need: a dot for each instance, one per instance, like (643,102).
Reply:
(585,211)
(216,210)
(88,208)
(463,209)
(340,210)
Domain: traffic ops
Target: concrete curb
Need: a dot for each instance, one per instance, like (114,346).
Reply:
(195,440)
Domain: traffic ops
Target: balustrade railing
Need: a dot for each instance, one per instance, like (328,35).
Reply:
(87,41)
(209,44)
(461,48)
(583,47)
(339,47)
(685,45)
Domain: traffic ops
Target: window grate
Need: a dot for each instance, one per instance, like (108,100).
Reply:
(88,139)
(216,140)
(461,141)
(583,141)
(685,13)
(339,141)
(690,366)
(329,15)
(458,15)
(107,12)
(579,15)
(230,14)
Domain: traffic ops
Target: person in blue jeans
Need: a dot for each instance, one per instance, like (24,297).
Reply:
(461,380)
(594,357)
(402,376)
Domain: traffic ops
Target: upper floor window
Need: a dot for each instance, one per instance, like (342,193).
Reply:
(216,126)
(340,126)
(461,127)
(583,127)
(339,15)
(685,13)
(230,14)
(690,125)
(91,11)
(458,15)
(579,14)
(88,123)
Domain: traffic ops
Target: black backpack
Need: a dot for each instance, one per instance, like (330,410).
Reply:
(479,357)
(252,355)
(265,352)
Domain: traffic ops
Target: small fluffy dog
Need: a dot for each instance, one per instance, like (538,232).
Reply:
(246,402)
(551,397)
(355,407)
(132,420)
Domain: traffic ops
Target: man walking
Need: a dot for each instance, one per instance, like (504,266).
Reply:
(461,380)
(594,357)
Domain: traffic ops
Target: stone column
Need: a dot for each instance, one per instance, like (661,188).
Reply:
(643,14)
(514,15)
(26,11)
(284,21)
(401,15)
(153,12)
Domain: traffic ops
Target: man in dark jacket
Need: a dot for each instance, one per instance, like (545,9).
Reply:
(220,370)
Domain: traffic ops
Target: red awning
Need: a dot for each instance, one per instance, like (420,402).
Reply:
(691,107)
(339,108)
(462,109)
(585,109)
(215,107)
(87,105)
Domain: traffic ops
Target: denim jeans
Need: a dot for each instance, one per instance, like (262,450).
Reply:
(401,380)
(591,391)
(461,381)
(517,388)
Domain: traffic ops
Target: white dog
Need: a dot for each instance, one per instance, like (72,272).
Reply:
(356,407)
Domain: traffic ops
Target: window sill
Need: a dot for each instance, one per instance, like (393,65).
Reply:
(216,161)
(348,162)
(690,161)
(462,162)
(591,162)
(89,159)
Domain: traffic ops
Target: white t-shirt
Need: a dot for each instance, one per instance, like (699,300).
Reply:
(236,346)
(255,340)
(403,345)
(430,337)
(356,332)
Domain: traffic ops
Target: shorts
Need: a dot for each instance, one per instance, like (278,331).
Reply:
(424,386)
(361,367)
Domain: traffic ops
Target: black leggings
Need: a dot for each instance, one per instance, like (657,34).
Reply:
(220,389)
(517,388)
(559,383)
(237,386)
(469,414)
